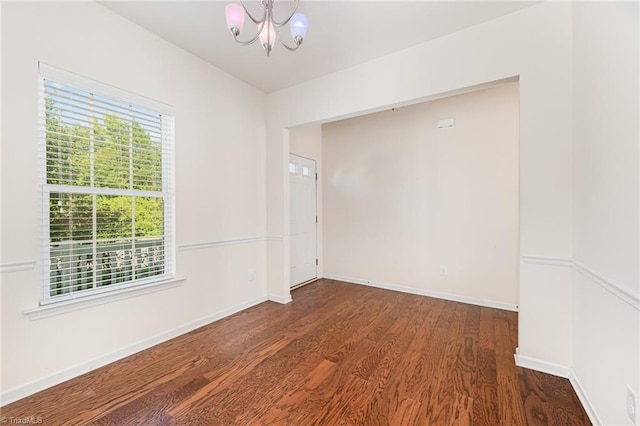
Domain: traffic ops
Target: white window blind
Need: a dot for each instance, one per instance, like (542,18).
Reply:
(106,178)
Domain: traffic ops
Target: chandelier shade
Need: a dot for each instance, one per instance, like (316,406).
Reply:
(267,36)
(266,26)
(298,26)
(235,16)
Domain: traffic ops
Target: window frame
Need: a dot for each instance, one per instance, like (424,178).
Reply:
(47,72)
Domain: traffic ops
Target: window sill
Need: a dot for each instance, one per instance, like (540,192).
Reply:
(60,308)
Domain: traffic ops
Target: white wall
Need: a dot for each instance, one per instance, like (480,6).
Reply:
(220,169)
(306,141)
(606,216)
(403,197)
(534,44)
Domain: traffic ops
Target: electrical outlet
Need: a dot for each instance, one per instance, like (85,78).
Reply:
(632,404)
(443,271)
(252,275)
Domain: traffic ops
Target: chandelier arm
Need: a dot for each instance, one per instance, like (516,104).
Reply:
(289,47)
(286,21)
(252,39)
(255,21)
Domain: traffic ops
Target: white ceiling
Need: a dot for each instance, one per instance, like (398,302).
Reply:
(341,33)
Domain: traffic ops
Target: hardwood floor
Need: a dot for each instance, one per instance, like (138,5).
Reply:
(339,354)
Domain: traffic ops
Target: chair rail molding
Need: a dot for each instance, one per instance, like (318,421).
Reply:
(221,243)
(17,266)
(587,272)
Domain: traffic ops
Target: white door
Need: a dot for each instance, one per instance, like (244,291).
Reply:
(303,219)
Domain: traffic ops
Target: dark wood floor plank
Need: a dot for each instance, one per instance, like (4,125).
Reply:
(413,377)
(505,363)
(389,353)
(407,413)
(485,402)
(510,404)
(339,354)
(438,397)
(461,410)
(403,375)
(288,409)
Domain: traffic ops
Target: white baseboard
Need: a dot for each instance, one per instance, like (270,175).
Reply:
(424,292)
(280,299)
(582,396)
(542,366)
(15,394)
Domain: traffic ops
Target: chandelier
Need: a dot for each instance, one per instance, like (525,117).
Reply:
(267,26)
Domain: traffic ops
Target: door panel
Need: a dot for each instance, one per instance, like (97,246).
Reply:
(303,229)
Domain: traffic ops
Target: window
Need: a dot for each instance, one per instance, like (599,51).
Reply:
(106,186)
